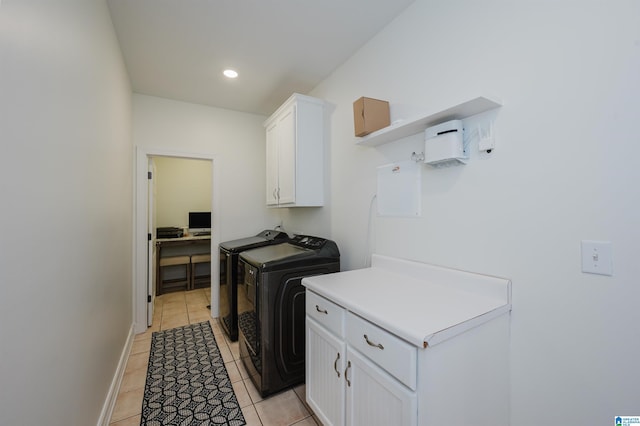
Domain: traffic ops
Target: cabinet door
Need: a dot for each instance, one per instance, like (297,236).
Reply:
(374,398)
(325,374)
(286,138)
(272,165)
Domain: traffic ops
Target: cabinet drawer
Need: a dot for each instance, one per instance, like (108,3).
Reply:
(326,313)
(393,354)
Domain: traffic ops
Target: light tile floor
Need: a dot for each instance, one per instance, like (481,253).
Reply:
(181,308)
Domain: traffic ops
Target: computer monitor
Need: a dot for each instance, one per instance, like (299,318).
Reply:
(200,222)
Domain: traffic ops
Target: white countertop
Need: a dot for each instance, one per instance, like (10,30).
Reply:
(421,303)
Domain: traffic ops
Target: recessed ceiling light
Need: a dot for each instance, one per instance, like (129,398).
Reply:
(230,73)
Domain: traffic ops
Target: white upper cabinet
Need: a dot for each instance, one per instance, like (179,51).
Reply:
(295,153)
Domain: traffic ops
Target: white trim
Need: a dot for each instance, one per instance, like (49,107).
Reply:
(112,395)
(141,155)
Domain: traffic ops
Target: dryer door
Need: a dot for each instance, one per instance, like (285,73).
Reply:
(248,313)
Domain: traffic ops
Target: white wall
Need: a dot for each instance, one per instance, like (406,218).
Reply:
(237,140)
(564,169)
(66,190)
(183,185)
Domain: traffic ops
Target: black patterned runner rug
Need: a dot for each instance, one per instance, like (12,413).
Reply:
(187,382)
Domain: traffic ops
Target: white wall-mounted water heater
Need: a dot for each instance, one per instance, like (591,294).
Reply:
(444,145)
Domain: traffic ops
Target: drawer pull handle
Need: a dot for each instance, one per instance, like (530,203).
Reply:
(322,311)
(335,364)
(345,373)
(375,345)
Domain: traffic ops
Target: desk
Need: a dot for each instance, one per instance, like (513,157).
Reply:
(183,246)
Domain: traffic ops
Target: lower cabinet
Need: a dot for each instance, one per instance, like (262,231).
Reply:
(376,357)
(374,397)
(325,371)
(345,387)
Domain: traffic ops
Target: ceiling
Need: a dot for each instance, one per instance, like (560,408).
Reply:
(177,49)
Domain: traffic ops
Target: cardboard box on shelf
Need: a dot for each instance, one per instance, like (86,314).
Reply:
(370,115)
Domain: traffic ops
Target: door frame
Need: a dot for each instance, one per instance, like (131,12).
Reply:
(140,226)
(151,250)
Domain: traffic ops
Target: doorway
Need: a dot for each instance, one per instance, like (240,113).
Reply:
(142,297)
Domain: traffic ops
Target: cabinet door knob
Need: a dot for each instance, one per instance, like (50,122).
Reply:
(345,373)
(335,364)
(322,311)
(375,345)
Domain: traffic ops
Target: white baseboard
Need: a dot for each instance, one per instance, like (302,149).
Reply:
(112,395)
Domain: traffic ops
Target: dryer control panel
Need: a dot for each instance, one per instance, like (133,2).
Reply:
(306,241)
(321,246)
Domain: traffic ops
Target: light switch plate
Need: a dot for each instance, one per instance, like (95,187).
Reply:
(597,257)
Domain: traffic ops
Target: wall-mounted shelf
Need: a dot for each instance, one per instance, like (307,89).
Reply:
(418,124)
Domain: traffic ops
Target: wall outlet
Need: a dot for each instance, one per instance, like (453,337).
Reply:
(597,257)
(486,145)
(485,138)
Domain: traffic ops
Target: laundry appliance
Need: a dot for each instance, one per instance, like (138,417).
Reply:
(271,308)
(230,273)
